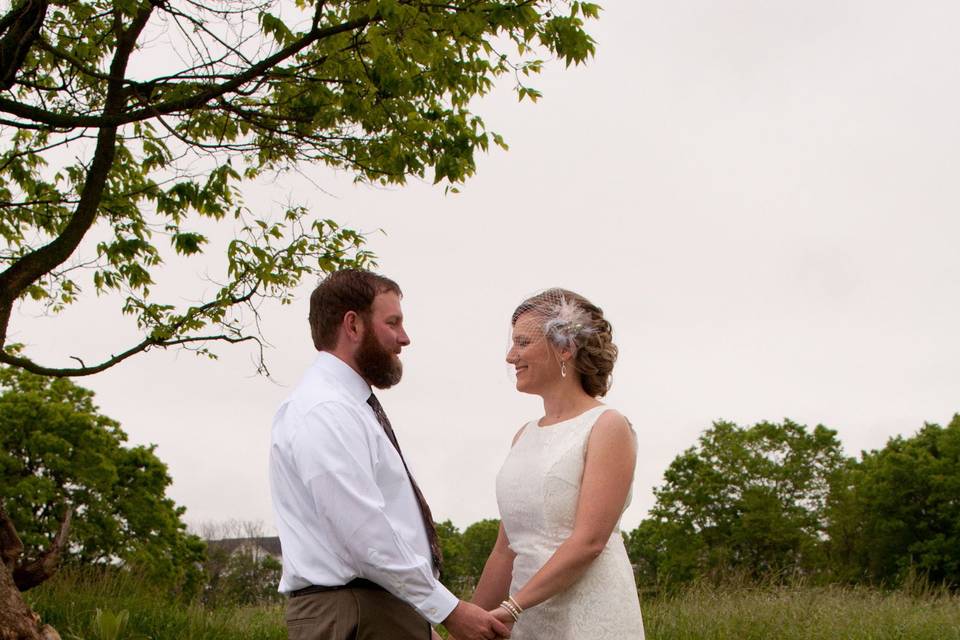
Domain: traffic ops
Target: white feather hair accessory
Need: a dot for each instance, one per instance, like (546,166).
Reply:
(565,322)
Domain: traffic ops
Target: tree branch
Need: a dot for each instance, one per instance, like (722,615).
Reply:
(148,343)
(15,279)
(10,545)
(52,119)
(36,572)
(18,29)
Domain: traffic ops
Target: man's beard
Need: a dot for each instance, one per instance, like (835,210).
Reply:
(381,368)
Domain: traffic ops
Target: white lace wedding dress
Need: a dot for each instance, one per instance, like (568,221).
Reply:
(537,491)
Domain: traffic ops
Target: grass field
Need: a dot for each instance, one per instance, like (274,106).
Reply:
(69,603)
(808,613)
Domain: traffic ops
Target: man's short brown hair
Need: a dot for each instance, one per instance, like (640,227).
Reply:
(340,292)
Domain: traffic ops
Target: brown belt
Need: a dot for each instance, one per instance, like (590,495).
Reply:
(356,583)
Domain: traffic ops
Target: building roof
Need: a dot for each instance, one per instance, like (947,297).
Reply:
(269,544)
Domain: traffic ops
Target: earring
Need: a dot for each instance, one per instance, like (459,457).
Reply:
(563,369)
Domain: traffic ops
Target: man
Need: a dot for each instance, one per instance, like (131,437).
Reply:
(360,552)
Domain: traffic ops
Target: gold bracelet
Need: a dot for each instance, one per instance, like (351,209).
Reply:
(514,603)
(509,609)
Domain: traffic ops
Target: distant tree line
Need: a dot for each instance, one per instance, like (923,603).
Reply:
(769,501)
(781,501)
(465,553)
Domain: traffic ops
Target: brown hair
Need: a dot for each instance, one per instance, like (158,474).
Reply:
(596,353)
(340,292)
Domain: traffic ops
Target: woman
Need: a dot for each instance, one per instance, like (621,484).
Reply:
(559,569)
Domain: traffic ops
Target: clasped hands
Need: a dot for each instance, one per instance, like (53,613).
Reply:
(470,622)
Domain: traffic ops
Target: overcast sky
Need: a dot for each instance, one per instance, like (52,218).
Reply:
(762,196)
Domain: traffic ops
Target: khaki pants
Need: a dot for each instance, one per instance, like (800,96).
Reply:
(354,614)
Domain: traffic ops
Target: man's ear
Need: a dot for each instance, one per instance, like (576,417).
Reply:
(352,327)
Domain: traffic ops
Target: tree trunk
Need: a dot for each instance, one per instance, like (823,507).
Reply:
(17,620)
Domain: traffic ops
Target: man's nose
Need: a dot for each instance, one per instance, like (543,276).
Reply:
(403,338)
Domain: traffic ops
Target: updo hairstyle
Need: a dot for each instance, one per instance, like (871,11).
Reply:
(595,352)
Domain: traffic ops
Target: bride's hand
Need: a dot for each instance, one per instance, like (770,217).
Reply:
(503,616)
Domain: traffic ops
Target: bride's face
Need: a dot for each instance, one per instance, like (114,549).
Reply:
(531,355)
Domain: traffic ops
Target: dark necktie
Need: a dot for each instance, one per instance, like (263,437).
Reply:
(435,553)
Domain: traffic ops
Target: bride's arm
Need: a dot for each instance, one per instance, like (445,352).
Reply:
(494,582)
(607,474)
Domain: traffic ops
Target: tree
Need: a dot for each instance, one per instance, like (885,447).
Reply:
(59,455)
(127,124)
(478,541)
(114,160)
(648,552)
(744,499)
(456,572)
(465,553)
(896,510)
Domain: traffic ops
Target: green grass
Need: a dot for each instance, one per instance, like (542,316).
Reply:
(69,602)
(803,612)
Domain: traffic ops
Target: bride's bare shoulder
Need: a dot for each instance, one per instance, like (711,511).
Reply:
(612,423)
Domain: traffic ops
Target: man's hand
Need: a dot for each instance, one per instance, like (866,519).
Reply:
(470,622)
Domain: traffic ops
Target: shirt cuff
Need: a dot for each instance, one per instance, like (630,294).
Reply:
(438,605)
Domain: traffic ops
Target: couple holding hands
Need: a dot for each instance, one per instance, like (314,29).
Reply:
(361,558)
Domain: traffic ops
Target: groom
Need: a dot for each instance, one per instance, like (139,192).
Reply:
(360,551)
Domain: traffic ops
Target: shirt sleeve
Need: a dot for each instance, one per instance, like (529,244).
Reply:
(335,458)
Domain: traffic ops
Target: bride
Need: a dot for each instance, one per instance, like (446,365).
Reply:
(559,569)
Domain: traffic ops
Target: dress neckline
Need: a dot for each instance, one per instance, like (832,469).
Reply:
(537,424)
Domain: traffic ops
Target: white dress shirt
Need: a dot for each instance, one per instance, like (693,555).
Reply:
(343,503)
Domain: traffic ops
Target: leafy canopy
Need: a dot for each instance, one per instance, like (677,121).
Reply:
(465,553)
(128,127)
(897,510)
(745,499)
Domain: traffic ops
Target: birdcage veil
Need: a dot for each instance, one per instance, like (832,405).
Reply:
(554,315)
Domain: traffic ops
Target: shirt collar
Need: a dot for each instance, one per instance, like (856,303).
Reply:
(352,381)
